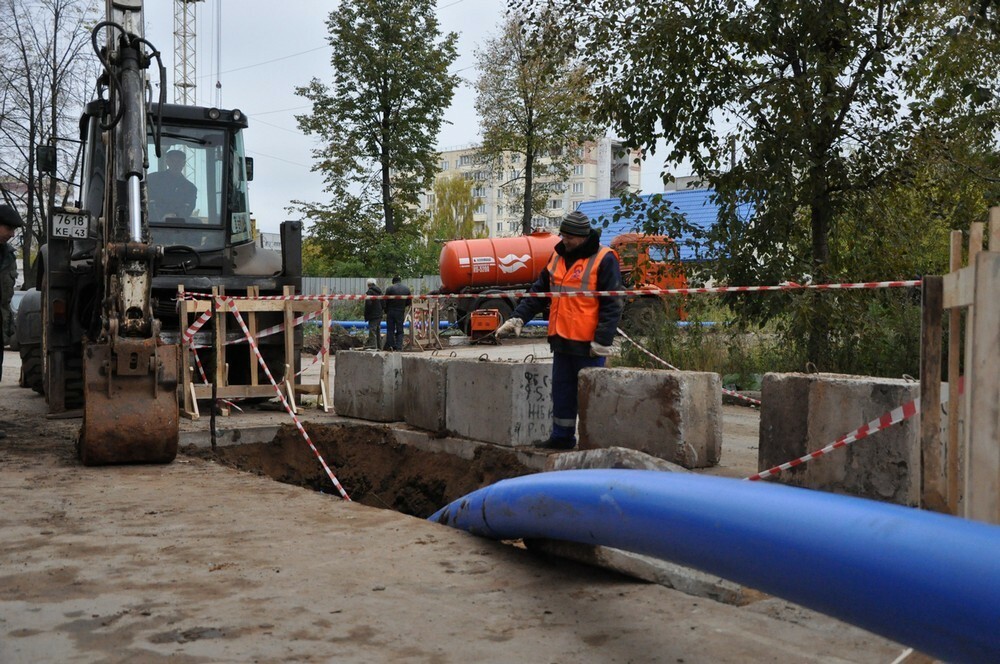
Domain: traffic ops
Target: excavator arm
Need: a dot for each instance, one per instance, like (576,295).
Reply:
(129,375)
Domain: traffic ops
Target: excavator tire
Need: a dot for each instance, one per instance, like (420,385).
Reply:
(31,367)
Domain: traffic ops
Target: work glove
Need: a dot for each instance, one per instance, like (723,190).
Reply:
(511,328)
(599,350)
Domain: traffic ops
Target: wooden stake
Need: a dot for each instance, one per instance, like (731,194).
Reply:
(933,487)
(954,363)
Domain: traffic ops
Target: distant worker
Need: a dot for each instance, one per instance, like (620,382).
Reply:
(10,221)
(373,316)
(170,193)
(581,329)
(395,313)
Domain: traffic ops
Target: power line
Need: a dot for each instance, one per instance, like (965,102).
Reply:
(267,62)
(254,153)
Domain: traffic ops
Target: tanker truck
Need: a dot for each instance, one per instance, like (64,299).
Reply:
(487,271)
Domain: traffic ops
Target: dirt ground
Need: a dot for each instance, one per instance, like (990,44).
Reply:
(379,471)
(196,561)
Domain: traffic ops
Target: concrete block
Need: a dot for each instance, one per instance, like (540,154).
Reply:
(368,385)
(499,402)
(685,579)
(802,413)
(425,381)
(672,415)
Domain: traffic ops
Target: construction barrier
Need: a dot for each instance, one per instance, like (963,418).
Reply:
(216,309)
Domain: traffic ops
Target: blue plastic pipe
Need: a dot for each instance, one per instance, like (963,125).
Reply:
(926,580)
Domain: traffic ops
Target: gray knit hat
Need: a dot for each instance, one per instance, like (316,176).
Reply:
(575,223)
(10,217)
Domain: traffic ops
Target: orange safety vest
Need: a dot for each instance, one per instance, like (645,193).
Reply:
(574,318)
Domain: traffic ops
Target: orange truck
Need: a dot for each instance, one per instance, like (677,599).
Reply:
(488,270)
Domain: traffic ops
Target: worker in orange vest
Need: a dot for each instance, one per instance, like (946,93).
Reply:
(581,329)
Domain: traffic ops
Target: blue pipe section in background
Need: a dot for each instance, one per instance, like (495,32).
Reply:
(926,580)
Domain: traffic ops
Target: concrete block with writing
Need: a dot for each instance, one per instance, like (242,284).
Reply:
(672,415)
(425,381)
(802,413)
(368,385)
(499,402)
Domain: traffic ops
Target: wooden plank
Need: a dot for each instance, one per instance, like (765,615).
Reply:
(982,450)
(933,482)
(324,367)
(290,377)
(300,306)
(253,291)
(189,408)
(235,391)
(959,288)
(975,241)
(995,229)
(954,404)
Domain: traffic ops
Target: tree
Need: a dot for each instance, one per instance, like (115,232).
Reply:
(795,107)
(379,119)
(529,104)
(453,209)
(43,82)
(347,241)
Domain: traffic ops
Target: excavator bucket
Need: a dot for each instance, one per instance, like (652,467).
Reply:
(130,412)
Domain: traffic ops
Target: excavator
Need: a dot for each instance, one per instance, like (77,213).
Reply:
(163,203)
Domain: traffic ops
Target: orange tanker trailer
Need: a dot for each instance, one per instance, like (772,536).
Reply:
(488,270)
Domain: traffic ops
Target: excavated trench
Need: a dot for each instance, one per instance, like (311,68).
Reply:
(373,468)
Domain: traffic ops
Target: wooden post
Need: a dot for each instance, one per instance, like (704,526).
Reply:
(221,364)
(995,229)
(975,246)
(324,367)
(251,315)
(933,486)
(954,378)
(187,387)
(288,292)
(982,450)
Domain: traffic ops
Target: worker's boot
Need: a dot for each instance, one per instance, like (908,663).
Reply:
(554,443)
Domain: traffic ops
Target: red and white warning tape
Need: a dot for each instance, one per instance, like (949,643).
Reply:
(894,416)
(787,286)
(266,332)
(284,401)
(201,320)
(321,353)
(635,343)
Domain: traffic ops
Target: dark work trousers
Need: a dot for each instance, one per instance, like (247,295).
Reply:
(565,369)
(394,329)
(374,334)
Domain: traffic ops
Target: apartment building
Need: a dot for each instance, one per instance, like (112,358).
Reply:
(599,171)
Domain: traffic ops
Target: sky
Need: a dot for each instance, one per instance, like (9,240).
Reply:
(265,49)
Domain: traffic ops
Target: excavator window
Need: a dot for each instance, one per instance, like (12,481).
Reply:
(185,187)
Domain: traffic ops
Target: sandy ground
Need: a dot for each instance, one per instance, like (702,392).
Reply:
(196,562)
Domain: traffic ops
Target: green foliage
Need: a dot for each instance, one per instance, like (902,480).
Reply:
(454,207)
(529,98)
(347,240)
(712,340)
(379,119)
(817,116)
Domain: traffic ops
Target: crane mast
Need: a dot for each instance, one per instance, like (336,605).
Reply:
(185,62)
